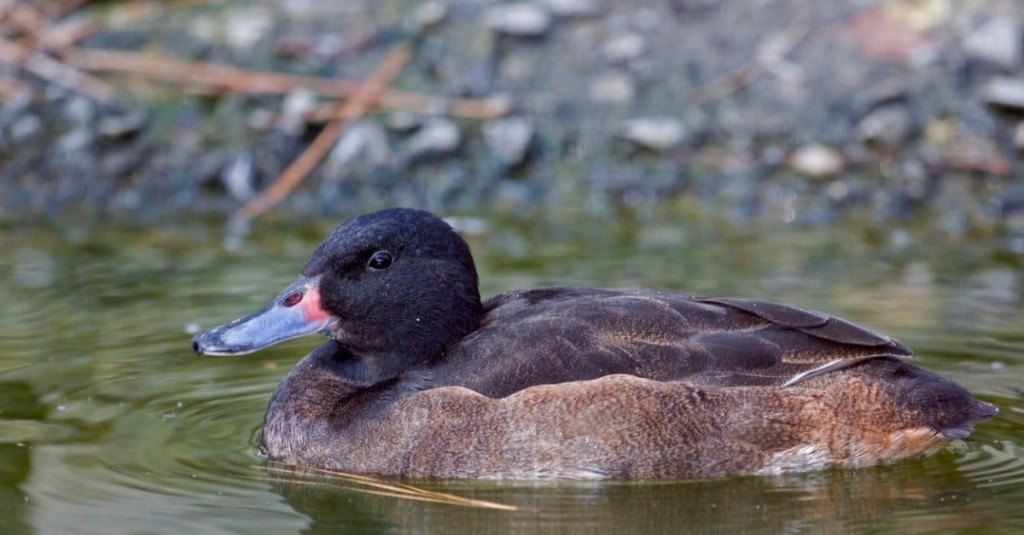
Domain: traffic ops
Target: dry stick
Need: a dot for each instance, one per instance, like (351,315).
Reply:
(50,69)
(61,35)
(769,54)
(41,32)
(357,105)
(25,17)
(398,490)
(67,7)
(5,7)
(237,80)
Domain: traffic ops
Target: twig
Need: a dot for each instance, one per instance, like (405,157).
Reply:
(991,166)
(50,69)
(236,80)
(769,54)
(402,490)
(25,18)
(61,35)
(357,105)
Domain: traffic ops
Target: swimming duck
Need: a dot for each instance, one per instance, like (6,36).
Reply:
(420,378)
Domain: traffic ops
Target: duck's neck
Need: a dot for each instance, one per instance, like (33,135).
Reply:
(363,371)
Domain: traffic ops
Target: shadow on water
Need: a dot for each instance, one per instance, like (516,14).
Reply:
(109,424)
(21,414)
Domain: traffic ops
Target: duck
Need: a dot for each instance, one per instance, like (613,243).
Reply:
(420,378)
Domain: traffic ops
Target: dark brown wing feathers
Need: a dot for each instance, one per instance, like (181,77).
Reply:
(555,335)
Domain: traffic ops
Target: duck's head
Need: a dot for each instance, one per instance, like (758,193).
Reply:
(394,288)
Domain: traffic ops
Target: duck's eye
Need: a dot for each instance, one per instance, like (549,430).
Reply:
(292,299)
(380,260)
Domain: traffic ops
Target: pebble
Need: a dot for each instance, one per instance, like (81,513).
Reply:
(998,41)
(260,119)
(25,127)
(297,105)
(817,161)
(75,140)
(654,133)
(1004,92)
(120,162)
(612,87)
(363,140)
(468,225)
(15,106)
(79,110)
(509,139)
(238,177)
(574,8)
(244,28)
(437,137)
(623,47)
(519,19)
(121,125)
(888,126)
(404,122)
(428,15)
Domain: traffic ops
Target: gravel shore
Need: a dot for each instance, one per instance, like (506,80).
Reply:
(793,110)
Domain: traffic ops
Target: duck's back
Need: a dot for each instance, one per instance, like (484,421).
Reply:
(557,335)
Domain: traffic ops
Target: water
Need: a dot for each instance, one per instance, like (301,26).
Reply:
(109,424)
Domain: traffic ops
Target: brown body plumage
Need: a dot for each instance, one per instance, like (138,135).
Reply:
(421,379)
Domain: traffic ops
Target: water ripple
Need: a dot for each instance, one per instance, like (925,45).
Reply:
(999,465)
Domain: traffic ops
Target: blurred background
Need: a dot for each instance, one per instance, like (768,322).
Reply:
(168,166)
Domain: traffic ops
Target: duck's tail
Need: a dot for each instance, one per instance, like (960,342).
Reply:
(893,410)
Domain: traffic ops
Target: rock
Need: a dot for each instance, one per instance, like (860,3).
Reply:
(623,47)
(428,15)
(519,66)
(75,140)
(519,19)
(238,177)
(121,125)
(260,119)
(363,140)
(15,106)
(817,161)
(612,87)
(573,8)
(997,41)
(654,133)
(1004,92)
(468,225)
(509,139)
(437,137)
(404,122)
(79,110)
(889,126)
(297,105)
(25,127)
(331,45)
(245,27)
(120,162)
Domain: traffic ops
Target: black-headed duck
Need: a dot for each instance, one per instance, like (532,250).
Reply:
(421,379)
